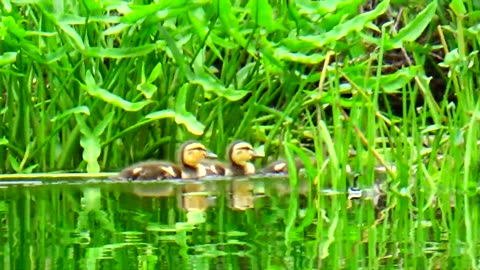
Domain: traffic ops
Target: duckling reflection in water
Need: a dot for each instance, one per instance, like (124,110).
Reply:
(242,197)
(192,154)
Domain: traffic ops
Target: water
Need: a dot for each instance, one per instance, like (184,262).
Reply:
(231,224)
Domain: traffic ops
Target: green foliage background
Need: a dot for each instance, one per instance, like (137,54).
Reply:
(96,85)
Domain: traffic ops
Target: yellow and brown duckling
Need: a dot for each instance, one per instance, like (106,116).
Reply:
(240,154)
(192,154)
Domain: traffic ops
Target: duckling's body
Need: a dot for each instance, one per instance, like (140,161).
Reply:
(192,154)
(240,153)
(150,170)
(281,166)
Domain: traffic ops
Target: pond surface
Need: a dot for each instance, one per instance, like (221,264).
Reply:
(257,223)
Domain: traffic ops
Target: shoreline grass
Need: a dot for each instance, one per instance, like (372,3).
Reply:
(100,86)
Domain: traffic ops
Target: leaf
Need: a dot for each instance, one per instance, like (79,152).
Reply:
(139,12)
(416,27)
(103,124)
(341,30)
(147,89)
(179,57)
(433,128)
(77,40)
(120,53)
(292,216)
(396,81)
(91,152)
(230,21)
(317,7)
(90,144)
(181,116)
(13,28)
(451,59)
(116,29)
(211,85)
(244,72)
(79,109)
(3,141)
(156,72)
(8,58)
(390,83)
(14,163)
(261,13)
(30,168)
(458,7)
(39,33)
(283,53)
(161,114)
(110,98)
(185,117)
(7,5)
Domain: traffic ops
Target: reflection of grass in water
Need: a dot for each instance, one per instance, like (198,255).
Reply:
(104,224)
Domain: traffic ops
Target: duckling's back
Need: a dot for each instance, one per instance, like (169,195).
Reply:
(150,170)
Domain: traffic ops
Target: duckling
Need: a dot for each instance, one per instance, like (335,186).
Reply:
(240,153)
(281,166)
(150,170)
(192,154)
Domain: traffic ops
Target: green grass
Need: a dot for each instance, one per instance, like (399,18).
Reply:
(99,85)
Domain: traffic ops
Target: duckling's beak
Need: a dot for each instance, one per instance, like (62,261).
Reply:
(209,154)
(257,155)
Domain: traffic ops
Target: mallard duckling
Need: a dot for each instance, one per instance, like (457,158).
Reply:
(240,153)
(281,166)
(150,170)
(192,154)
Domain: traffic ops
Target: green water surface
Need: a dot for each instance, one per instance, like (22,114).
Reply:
(232,224)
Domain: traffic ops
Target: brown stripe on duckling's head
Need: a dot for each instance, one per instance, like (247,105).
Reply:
(192,153)
(241,152)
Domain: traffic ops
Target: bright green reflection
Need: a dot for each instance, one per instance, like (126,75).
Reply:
(228,224)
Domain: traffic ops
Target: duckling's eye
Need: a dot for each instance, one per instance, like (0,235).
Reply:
(245,148)
(198,149)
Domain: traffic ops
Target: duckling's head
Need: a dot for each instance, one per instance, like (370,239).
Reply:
(241,152)
(192,153)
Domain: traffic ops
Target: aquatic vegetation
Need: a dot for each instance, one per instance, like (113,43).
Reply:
(98,86)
